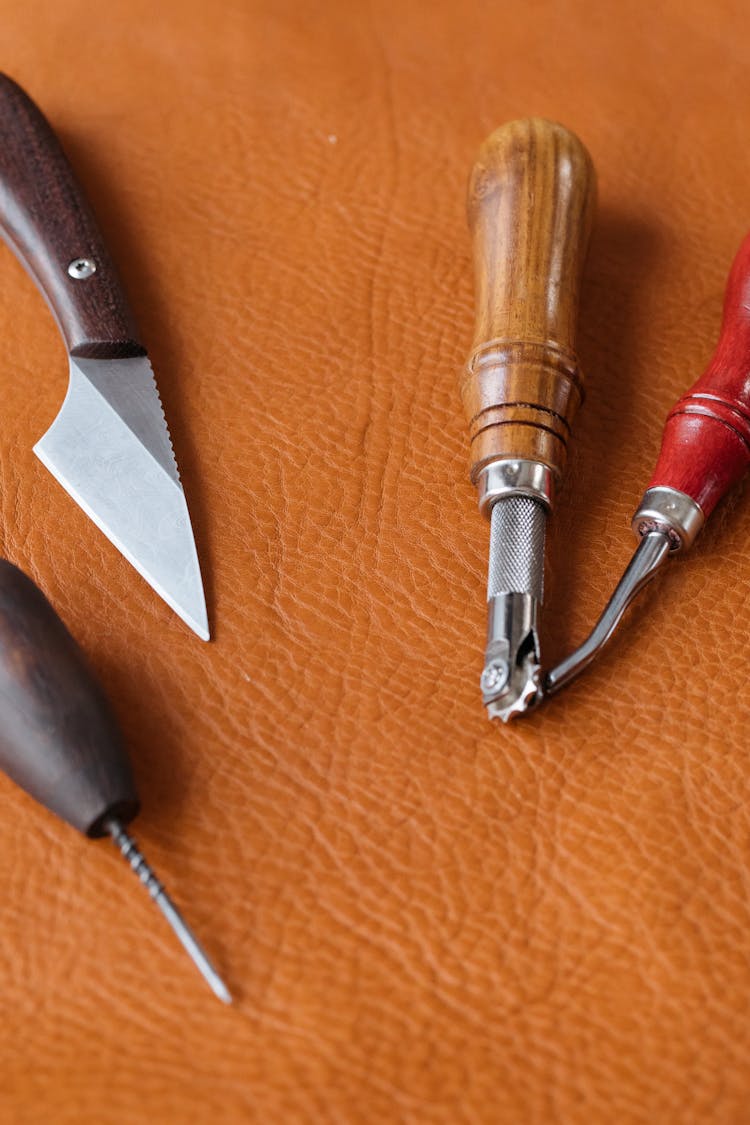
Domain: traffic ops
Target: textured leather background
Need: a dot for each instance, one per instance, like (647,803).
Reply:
(425,919)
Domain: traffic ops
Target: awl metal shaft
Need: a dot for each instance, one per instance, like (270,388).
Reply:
(530,207)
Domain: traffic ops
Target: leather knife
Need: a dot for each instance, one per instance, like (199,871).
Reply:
(109,446)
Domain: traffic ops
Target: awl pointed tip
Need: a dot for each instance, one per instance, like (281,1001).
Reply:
(222,992)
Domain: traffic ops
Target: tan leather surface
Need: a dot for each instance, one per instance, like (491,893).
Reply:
(425,919)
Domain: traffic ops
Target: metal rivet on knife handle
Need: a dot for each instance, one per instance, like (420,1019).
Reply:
(109,446)
(530,206)
(705,451)
(81,268)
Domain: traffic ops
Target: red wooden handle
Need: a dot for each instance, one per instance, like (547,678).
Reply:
(706,443)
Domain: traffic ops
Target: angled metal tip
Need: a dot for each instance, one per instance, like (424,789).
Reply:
(190,943)
(650,555)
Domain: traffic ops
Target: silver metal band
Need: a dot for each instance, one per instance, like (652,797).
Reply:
(514,478)
(670,511)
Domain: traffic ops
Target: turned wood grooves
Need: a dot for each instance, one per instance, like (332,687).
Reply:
(706,442)
(58,737)
(530,206)
(47,221)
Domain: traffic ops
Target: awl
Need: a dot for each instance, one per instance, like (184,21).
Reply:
(109,446)
(705,451)
(59,739)
(530,207)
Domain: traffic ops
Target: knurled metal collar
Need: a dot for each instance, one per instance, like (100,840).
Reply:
(667,509)
(512,477)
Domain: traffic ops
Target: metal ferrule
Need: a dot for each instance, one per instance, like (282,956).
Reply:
(512,477)
(670,511)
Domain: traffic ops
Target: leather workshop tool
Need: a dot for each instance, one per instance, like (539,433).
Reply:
(60,741)
(705,451)
(109,446)
(530,207)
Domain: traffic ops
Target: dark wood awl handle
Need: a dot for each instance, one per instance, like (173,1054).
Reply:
(706,442)
(531,202)
(58,737)
(47,221)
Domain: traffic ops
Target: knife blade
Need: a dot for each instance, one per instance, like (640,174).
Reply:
(109,446)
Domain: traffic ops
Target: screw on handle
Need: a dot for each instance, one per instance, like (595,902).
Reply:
(61,743)
(530,206)
(706,442)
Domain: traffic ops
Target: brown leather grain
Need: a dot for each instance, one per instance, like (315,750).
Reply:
(426,919)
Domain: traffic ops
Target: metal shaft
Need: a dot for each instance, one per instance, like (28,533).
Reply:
(649,556)
(516,565)
(132,854)
(515,586)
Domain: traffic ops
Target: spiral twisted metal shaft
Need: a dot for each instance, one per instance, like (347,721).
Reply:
(134,857)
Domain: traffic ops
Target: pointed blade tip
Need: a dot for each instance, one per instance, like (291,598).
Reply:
(196,619)
(223,993)
(198,625)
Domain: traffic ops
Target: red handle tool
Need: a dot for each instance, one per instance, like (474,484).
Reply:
(705,450)
(706,444)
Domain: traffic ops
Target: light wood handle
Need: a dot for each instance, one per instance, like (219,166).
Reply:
(531,201)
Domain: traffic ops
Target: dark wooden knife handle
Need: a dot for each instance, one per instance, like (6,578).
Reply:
(47,221)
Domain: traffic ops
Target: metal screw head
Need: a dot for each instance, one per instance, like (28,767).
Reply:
(494,677)
(81,268)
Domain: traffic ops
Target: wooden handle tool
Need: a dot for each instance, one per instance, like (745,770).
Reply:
(60,741)
(530,206)
(705,451)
